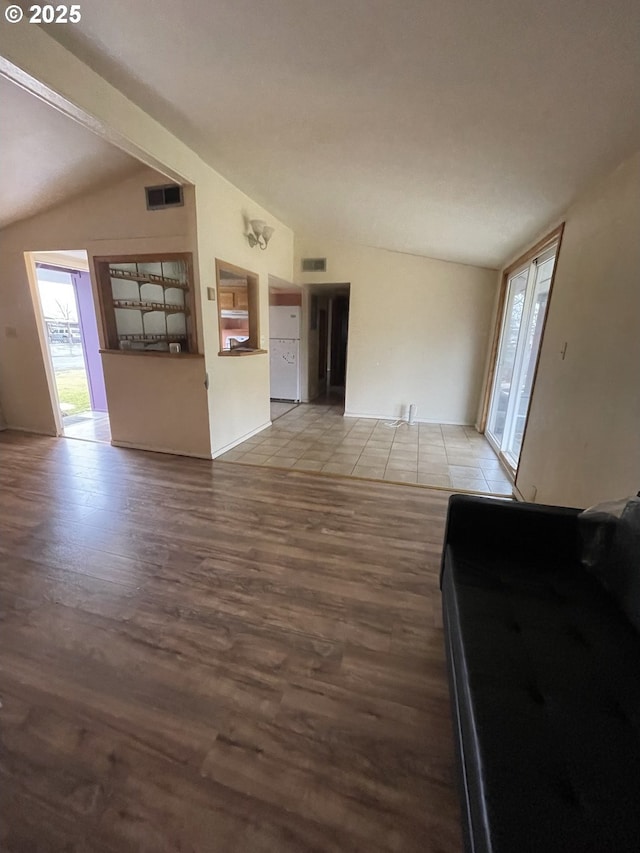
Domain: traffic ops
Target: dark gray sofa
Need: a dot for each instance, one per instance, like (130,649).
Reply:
(544,665)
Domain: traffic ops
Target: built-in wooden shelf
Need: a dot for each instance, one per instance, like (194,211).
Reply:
(160,353)
(150,339)
(235,353)
(149,278)
(146,307)
(136,317)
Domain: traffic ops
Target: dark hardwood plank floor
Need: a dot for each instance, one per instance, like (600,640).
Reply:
(202,657)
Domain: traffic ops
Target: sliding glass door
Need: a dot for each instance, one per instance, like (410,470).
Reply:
(525,308)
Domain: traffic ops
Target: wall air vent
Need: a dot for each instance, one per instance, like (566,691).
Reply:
(314,265)
(168,195)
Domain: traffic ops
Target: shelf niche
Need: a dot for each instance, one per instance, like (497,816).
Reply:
(147,302)
(238,309)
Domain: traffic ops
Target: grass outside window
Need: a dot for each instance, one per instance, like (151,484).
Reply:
(73,392)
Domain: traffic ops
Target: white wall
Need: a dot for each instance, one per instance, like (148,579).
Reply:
(418,330)
(582,443)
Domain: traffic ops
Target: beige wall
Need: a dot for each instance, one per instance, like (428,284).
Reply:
(116,221)
(238,398)
(582,443)
(171,416)
(112,221)
(239,387)
(418,330)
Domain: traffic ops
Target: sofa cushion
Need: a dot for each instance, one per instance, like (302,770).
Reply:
(611,552)
(549,672)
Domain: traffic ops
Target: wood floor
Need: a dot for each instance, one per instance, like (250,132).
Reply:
(207,657)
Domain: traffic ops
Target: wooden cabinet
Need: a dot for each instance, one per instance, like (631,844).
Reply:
(147,302)
(241,299)
(234,299)
(226,300)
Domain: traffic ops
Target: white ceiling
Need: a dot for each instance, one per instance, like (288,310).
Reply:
(448,128)
(46,157)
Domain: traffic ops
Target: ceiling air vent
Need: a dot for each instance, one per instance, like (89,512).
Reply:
(168,195)
(314,265)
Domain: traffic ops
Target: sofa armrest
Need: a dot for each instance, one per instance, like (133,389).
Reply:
(510,529)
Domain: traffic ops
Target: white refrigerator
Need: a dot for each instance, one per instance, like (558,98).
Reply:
(284,352)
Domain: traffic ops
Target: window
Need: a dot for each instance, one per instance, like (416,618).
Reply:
(238,310)
(525,300)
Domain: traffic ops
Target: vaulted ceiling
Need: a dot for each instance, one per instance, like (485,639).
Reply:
(46,158)
(447,128)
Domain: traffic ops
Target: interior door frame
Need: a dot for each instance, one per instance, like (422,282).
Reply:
(552,238)
(45,347)
(87,318)
(58,263)
(324,290)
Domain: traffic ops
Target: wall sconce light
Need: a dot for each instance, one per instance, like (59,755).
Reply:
(260,233)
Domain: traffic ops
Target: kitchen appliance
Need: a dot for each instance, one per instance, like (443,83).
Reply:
(284,352)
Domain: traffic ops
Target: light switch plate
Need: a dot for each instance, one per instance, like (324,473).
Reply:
(211,294)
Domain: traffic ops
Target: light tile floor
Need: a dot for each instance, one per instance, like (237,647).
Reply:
(280,408)
(90,426)
(318,438)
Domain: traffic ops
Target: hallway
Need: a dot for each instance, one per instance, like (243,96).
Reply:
(315,437)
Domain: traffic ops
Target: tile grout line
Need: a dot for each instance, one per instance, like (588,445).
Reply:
(330,430)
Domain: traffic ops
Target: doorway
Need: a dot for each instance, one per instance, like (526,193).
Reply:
(329,307)
(72,346)
(337,362)
(528,288)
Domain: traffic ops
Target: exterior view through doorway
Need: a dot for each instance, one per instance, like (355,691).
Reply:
(72,346)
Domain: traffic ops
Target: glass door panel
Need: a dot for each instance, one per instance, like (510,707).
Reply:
(532,334)
(507,355)
(520,338)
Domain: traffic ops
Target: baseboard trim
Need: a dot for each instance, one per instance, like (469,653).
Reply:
(417,420)
(238,441)
(31,431)
(129,445)
(517,493)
